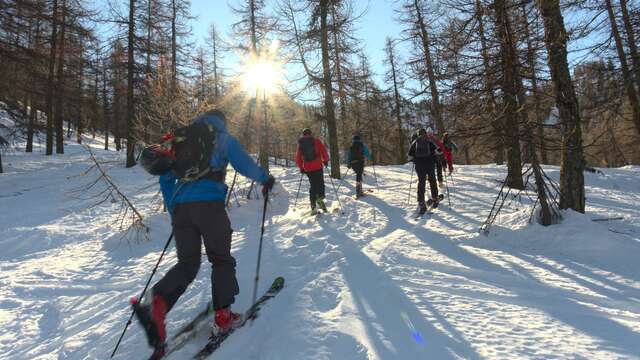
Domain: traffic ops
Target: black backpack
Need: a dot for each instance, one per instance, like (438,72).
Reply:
(307,146)
(423,148)
(193,147)
(357,152)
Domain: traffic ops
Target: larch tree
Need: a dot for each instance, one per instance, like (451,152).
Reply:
(572,164)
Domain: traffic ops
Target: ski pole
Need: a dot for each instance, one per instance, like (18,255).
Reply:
(264,216)
(298,193)
(344,178)
(337,195)
(143,292)
(375,176)
(410,182)
(446,183)
(233,183)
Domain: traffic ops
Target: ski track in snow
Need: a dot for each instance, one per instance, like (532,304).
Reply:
(371,284)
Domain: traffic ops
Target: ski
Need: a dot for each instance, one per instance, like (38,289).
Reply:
(190,330)
(217,339)
(430,207)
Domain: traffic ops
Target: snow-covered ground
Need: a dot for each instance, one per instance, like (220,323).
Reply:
(372,284)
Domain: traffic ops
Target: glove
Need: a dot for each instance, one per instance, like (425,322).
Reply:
(268,185)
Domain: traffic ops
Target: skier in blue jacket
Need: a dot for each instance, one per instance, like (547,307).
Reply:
(355,160)
(198,216)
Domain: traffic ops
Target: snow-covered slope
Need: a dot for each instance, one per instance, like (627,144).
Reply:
(372,284)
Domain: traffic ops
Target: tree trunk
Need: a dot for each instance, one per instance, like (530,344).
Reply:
(60,93)
(631,40)
(402,155)
(214,45)
(509,88)
(496,122)
(50,78)
(105,106)
(537,116)
(626,74)
(264,133)
(330,116)
(30,125)
(436,107)
(174,48)
(572,168)
(80,120)
(148,55)
(342,95)
(130,69)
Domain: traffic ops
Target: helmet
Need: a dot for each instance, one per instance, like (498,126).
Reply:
(156,160)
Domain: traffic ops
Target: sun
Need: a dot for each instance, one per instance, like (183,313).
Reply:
(262,73)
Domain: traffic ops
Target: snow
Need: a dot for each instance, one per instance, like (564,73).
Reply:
(372,284)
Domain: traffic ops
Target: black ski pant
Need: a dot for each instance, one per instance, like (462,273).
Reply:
(316,188)
(439,164)
(425,168)
(195,223)
(358,168)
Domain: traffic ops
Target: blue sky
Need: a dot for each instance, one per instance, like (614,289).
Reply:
(373,28)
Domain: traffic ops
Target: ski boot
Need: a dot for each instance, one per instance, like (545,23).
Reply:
(422,208)
(151,313)
(321,204)
(225,320)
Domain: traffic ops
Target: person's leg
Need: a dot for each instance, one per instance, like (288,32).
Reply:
(213,222)
(318,183)
(439,168)
(187,239)
(422,179)
(358,168)
(312,190)
(432,181)
(321,187)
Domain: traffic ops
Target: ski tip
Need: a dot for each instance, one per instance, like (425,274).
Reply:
(278,283)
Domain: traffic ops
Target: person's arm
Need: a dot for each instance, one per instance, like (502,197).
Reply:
(434,148)
(412,150)
(323,151)
(348,157)
(299,159)
(454,146)
(168,187)
(367,153)
(243,163)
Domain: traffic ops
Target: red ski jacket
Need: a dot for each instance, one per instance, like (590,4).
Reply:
(447,154)
(316,164)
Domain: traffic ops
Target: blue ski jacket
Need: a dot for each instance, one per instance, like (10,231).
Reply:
(227,150)
(365,152)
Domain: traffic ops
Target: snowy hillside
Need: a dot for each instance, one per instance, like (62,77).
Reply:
(372,284)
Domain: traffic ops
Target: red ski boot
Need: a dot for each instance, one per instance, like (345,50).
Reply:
(225,319)
(151,317)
